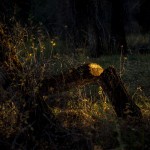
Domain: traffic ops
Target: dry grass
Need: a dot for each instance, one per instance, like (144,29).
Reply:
(84,111)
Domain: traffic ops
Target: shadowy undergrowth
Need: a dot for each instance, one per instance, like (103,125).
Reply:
(81,118)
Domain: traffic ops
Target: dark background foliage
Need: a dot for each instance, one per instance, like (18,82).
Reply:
(101,26)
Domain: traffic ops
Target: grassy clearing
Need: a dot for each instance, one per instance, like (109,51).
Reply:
(84,110)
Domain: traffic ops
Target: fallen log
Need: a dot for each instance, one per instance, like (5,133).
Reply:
(74,77)
(108,79)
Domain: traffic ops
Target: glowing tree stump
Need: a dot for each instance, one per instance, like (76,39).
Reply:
(108,79)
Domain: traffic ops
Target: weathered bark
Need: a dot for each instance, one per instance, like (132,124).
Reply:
(90,73)
(122,102)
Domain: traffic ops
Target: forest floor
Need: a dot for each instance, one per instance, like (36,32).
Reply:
(87,110)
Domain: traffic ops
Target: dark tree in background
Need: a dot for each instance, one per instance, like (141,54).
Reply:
(79,9)
(131,9)
(95,28)
(90,25)
(87,31)
(144,17)
(117,25)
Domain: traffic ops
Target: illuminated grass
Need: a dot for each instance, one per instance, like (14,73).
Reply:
(86,109)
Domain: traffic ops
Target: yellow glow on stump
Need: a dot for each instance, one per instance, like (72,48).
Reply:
(95,69)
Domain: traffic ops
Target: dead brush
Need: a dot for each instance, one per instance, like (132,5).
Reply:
(28,115)
(26,106)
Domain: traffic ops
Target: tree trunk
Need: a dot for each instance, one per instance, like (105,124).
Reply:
(144,15)
(117,26)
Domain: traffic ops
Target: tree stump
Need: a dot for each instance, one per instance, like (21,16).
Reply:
(108,79)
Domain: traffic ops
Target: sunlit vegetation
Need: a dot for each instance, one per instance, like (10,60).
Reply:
(83,112)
